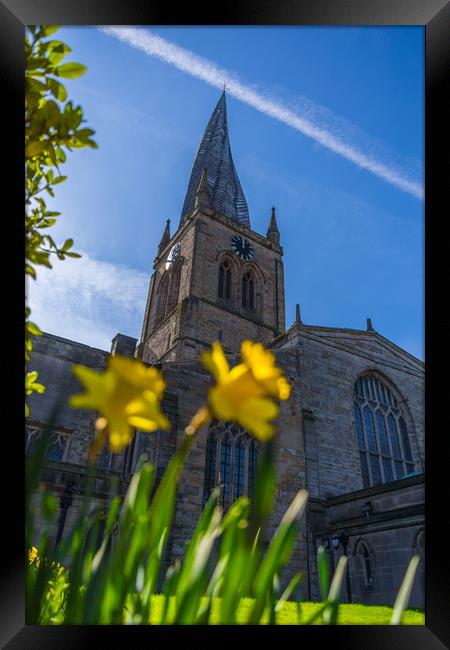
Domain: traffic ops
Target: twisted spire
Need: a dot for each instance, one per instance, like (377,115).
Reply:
(214,153)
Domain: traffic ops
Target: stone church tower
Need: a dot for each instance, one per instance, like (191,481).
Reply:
(214,278)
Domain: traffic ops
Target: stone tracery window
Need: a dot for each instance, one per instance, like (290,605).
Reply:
(383,441)
(57,445)
(224,289)
(231,461)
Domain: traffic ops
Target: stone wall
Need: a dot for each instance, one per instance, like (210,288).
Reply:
(53,357)
(329,363)
(388,520)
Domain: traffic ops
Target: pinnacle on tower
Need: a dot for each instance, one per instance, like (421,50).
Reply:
(165,239)
(203,195)
(298,320)
(214,153)
(272,231)
(369,325)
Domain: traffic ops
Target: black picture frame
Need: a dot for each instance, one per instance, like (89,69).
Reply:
(434,15)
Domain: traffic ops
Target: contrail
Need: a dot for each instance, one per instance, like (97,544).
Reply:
(199,67)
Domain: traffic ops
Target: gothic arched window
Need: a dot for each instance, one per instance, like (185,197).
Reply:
(383,441)
(224,290)
(231,461)
(364,554)
(248,291)
(57,445)
(162,299)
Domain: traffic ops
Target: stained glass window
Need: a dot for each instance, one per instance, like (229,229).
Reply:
(384,447)
(57,445)
(230,463)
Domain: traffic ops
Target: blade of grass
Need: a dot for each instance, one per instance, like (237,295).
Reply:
(330,614)
(196,579)
(401,602)
(288,591)
(324,572)
(236,562)
(278,554)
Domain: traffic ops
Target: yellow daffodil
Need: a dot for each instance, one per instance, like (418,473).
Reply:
(243,393)
(261,363)
(127,395)
(33,555)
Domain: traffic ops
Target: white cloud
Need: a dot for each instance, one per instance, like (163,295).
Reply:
(302,114)
(88,300)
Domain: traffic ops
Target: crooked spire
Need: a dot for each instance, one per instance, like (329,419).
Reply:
(214,154)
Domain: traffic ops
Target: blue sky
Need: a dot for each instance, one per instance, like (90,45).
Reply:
(353,237)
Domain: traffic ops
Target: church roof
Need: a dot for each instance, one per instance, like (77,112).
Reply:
(214,155)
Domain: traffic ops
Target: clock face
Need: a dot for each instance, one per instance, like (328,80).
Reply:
(242,248)
(174,253)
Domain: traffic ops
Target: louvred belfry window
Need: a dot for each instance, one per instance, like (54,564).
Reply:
(383,440)
(248,292)
(162,299)
(224,290)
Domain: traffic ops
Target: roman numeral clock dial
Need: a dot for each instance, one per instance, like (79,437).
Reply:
(242,248)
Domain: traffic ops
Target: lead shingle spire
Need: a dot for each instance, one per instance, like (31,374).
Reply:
(214,154)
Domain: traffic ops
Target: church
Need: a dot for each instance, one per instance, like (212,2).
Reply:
(352,432)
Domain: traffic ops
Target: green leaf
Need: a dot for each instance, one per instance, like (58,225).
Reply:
(60,154)
(35,84)
(83,133)
(57,89)
(47,223)
(67,244)
(70,70)
(29,270)
(32,328)
(59,179)
(57,54)
(35,148)
(48,30)
(52,45)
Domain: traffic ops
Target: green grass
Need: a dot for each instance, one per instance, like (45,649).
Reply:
(289,613)
(117,584)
